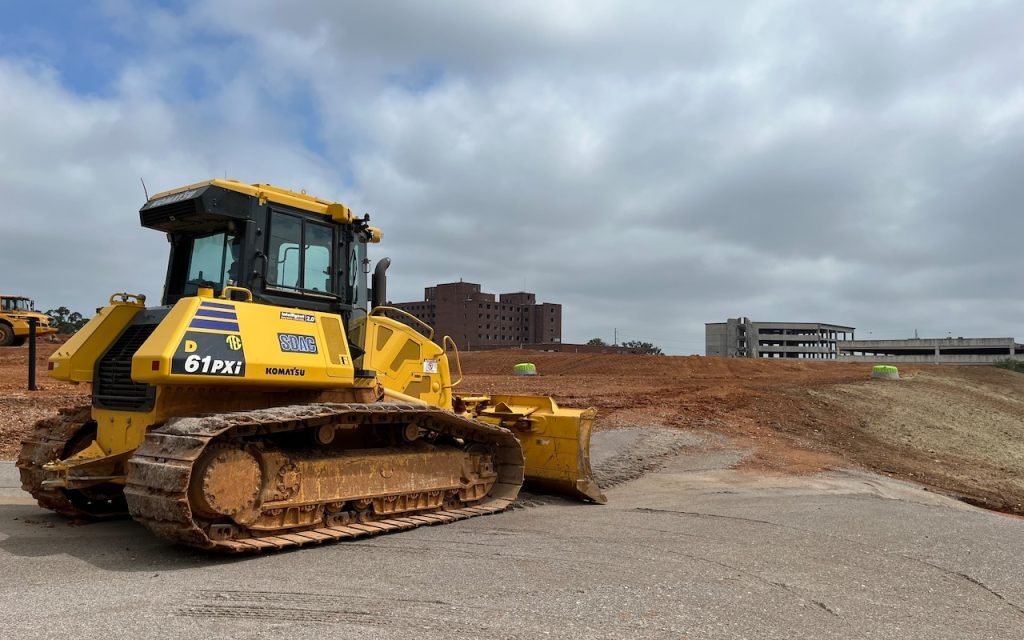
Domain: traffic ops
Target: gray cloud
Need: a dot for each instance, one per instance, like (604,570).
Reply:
(651,166)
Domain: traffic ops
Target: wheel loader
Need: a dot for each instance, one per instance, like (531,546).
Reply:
(272,400)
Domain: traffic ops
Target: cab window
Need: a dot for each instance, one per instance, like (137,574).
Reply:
(17,304)
(213,262)
(299,254)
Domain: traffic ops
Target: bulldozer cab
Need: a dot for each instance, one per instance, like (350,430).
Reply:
(288,249)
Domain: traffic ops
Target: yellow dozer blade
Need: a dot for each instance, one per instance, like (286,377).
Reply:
(555,441)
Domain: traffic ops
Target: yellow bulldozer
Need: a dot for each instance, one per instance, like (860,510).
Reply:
(272,400)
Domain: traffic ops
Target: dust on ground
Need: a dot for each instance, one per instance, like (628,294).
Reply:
(959,430)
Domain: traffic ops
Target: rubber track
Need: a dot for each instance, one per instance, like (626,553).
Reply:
(46,443)
(160,470)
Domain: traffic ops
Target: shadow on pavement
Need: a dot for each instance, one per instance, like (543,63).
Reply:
(114,545)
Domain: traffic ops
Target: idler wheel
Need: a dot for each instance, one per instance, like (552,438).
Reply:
(227,482)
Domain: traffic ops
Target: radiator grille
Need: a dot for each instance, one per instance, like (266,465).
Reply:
(113,387)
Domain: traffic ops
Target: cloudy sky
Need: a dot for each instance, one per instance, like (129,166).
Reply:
(650,165)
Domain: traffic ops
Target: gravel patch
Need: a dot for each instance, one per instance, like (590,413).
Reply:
(621,455)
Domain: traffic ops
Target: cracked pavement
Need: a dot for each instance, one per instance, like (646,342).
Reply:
(691,549)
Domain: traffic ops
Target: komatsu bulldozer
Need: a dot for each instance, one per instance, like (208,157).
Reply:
(267,402)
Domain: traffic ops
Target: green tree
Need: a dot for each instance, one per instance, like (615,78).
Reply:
(597,342)
(639,344)
(65,320)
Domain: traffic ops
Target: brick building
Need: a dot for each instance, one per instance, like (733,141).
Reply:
(475,319)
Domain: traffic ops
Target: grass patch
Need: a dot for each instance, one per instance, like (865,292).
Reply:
(1011,364)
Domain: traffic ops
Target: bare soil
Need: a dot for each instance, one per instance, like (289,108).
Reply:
(959,430)
(20,408)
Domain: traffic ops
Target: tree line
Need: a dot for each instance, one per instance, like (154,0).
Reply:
(632,344)
(65,320)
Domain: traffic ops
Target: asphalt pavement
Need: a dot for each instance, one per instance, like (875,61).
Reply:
(691,549)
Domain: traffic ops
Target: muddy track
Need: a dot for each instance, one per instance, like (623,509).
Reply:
(160,471)
(49,441)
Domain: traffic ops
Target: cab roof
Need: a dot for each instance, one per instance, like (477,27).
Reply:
(266,192)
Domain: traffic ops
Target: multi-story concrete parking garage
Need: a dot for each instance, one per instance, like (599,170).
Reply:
(932,350)
(743,338)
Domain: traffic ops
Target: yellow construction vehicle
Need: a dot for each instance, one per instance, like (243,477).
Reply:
(15,312)
(267,402)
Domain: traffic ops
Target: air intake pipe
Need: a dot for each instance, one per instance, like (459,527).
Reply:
(379,284)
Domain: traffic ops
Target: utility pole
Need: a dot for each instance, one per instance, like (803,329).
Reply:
(615,340)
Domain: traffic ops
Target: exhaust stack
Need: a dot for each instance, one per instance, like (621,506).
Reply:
(379,283)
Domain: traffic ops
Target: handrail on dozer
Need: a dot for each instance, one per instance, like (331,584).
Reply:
(448,341)
(373,312)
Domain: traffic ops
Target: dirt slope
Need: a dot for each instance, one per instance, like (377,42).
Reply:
(956,429)
(959,430)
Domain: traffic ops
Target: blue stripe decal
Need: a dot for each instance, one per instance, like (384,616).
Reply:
(199,323)
(210,313)
(216,305)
